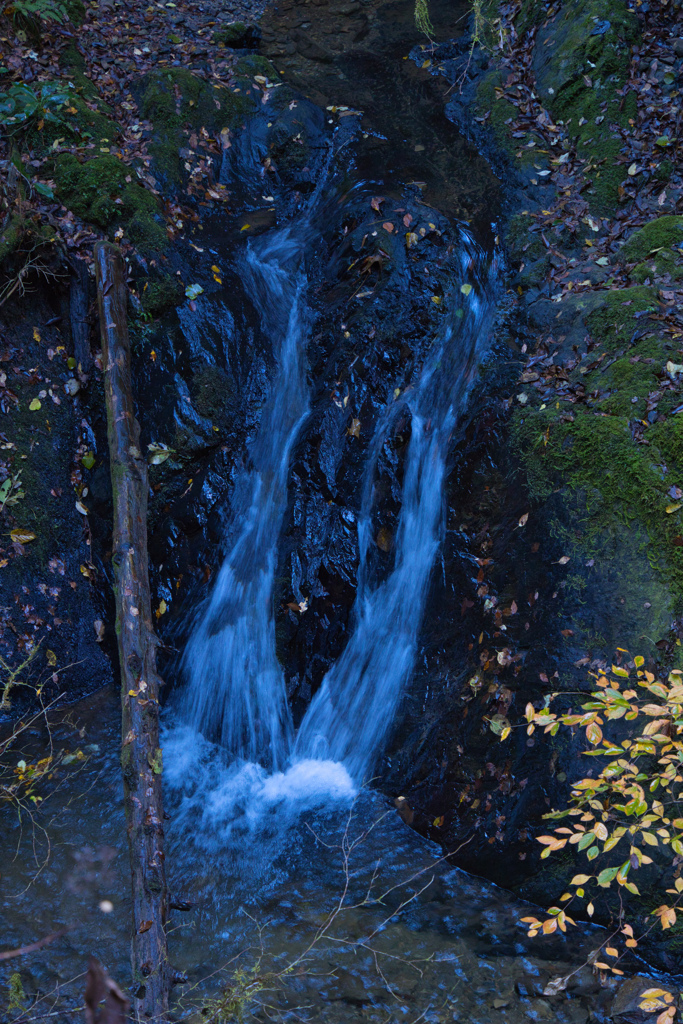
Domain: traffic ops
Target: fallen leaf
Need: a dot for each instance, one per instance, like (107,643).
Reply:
(354,429)
(388,226)
(523,519)
(35,404)
(465,289)
(22,536)
(193,290)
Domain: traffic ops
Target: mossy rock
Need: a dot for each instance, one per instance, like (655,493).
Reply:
(586,30)
(535,273)
(500,109)
(589,40)
(249,67)
(98,191)
(521,242)
(613,322)
(162,294)
(624,482)
(72,61)
(173,98)
(78,125)
(662,233)
(12,237)
(531,13)
(237,35)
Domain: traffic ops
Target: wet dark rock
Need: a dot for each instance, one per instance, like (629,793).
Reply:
(626,1006)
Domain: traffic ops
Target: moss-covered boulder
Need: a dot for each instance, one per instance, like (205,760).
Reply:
(105,192)
(659,234)
(173,99)
(237,35)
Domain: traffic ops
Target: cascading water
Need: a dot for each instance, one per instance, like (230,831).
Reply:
(236,693)
(350,716)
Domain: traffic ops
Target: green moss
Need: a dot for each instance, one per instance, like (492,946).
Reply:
(662,233)
(98,192)
(76,11)
(627,380)
(175,97)
(613,321)
(78,124)
(72,61)
(12,236)
(664,170)
(624,482)
(531,13)
(500,110)
(232,34)
(162,294)
(248,67)
(521,242)
(578,74)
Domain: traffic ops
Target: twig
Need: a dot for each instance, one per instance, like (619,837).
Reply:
(11,953)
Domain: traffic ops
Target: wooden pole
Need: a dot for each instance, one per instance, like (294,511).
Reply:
(141,754)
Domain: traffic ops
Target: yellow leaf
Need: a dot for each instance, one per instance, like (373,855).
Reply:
(411,239)
(580,879)
(245,227)
(594,735)
(611,951)
(216,269)
(36,334)
(466,289)
(35,404)
(22,536)
(672,508)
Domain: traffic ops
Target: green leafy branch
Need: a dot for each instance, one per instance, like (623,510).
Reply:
(633,804)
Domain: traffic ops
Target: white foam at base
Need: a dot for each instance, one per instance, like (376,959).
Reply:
(227,796)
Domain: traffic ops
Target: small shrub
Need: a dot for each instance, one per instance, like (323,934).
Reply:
(627,810)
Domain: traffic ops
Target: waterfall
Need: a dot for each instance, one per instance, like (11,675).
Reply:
(236,695)
(352,712)
(236,689)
